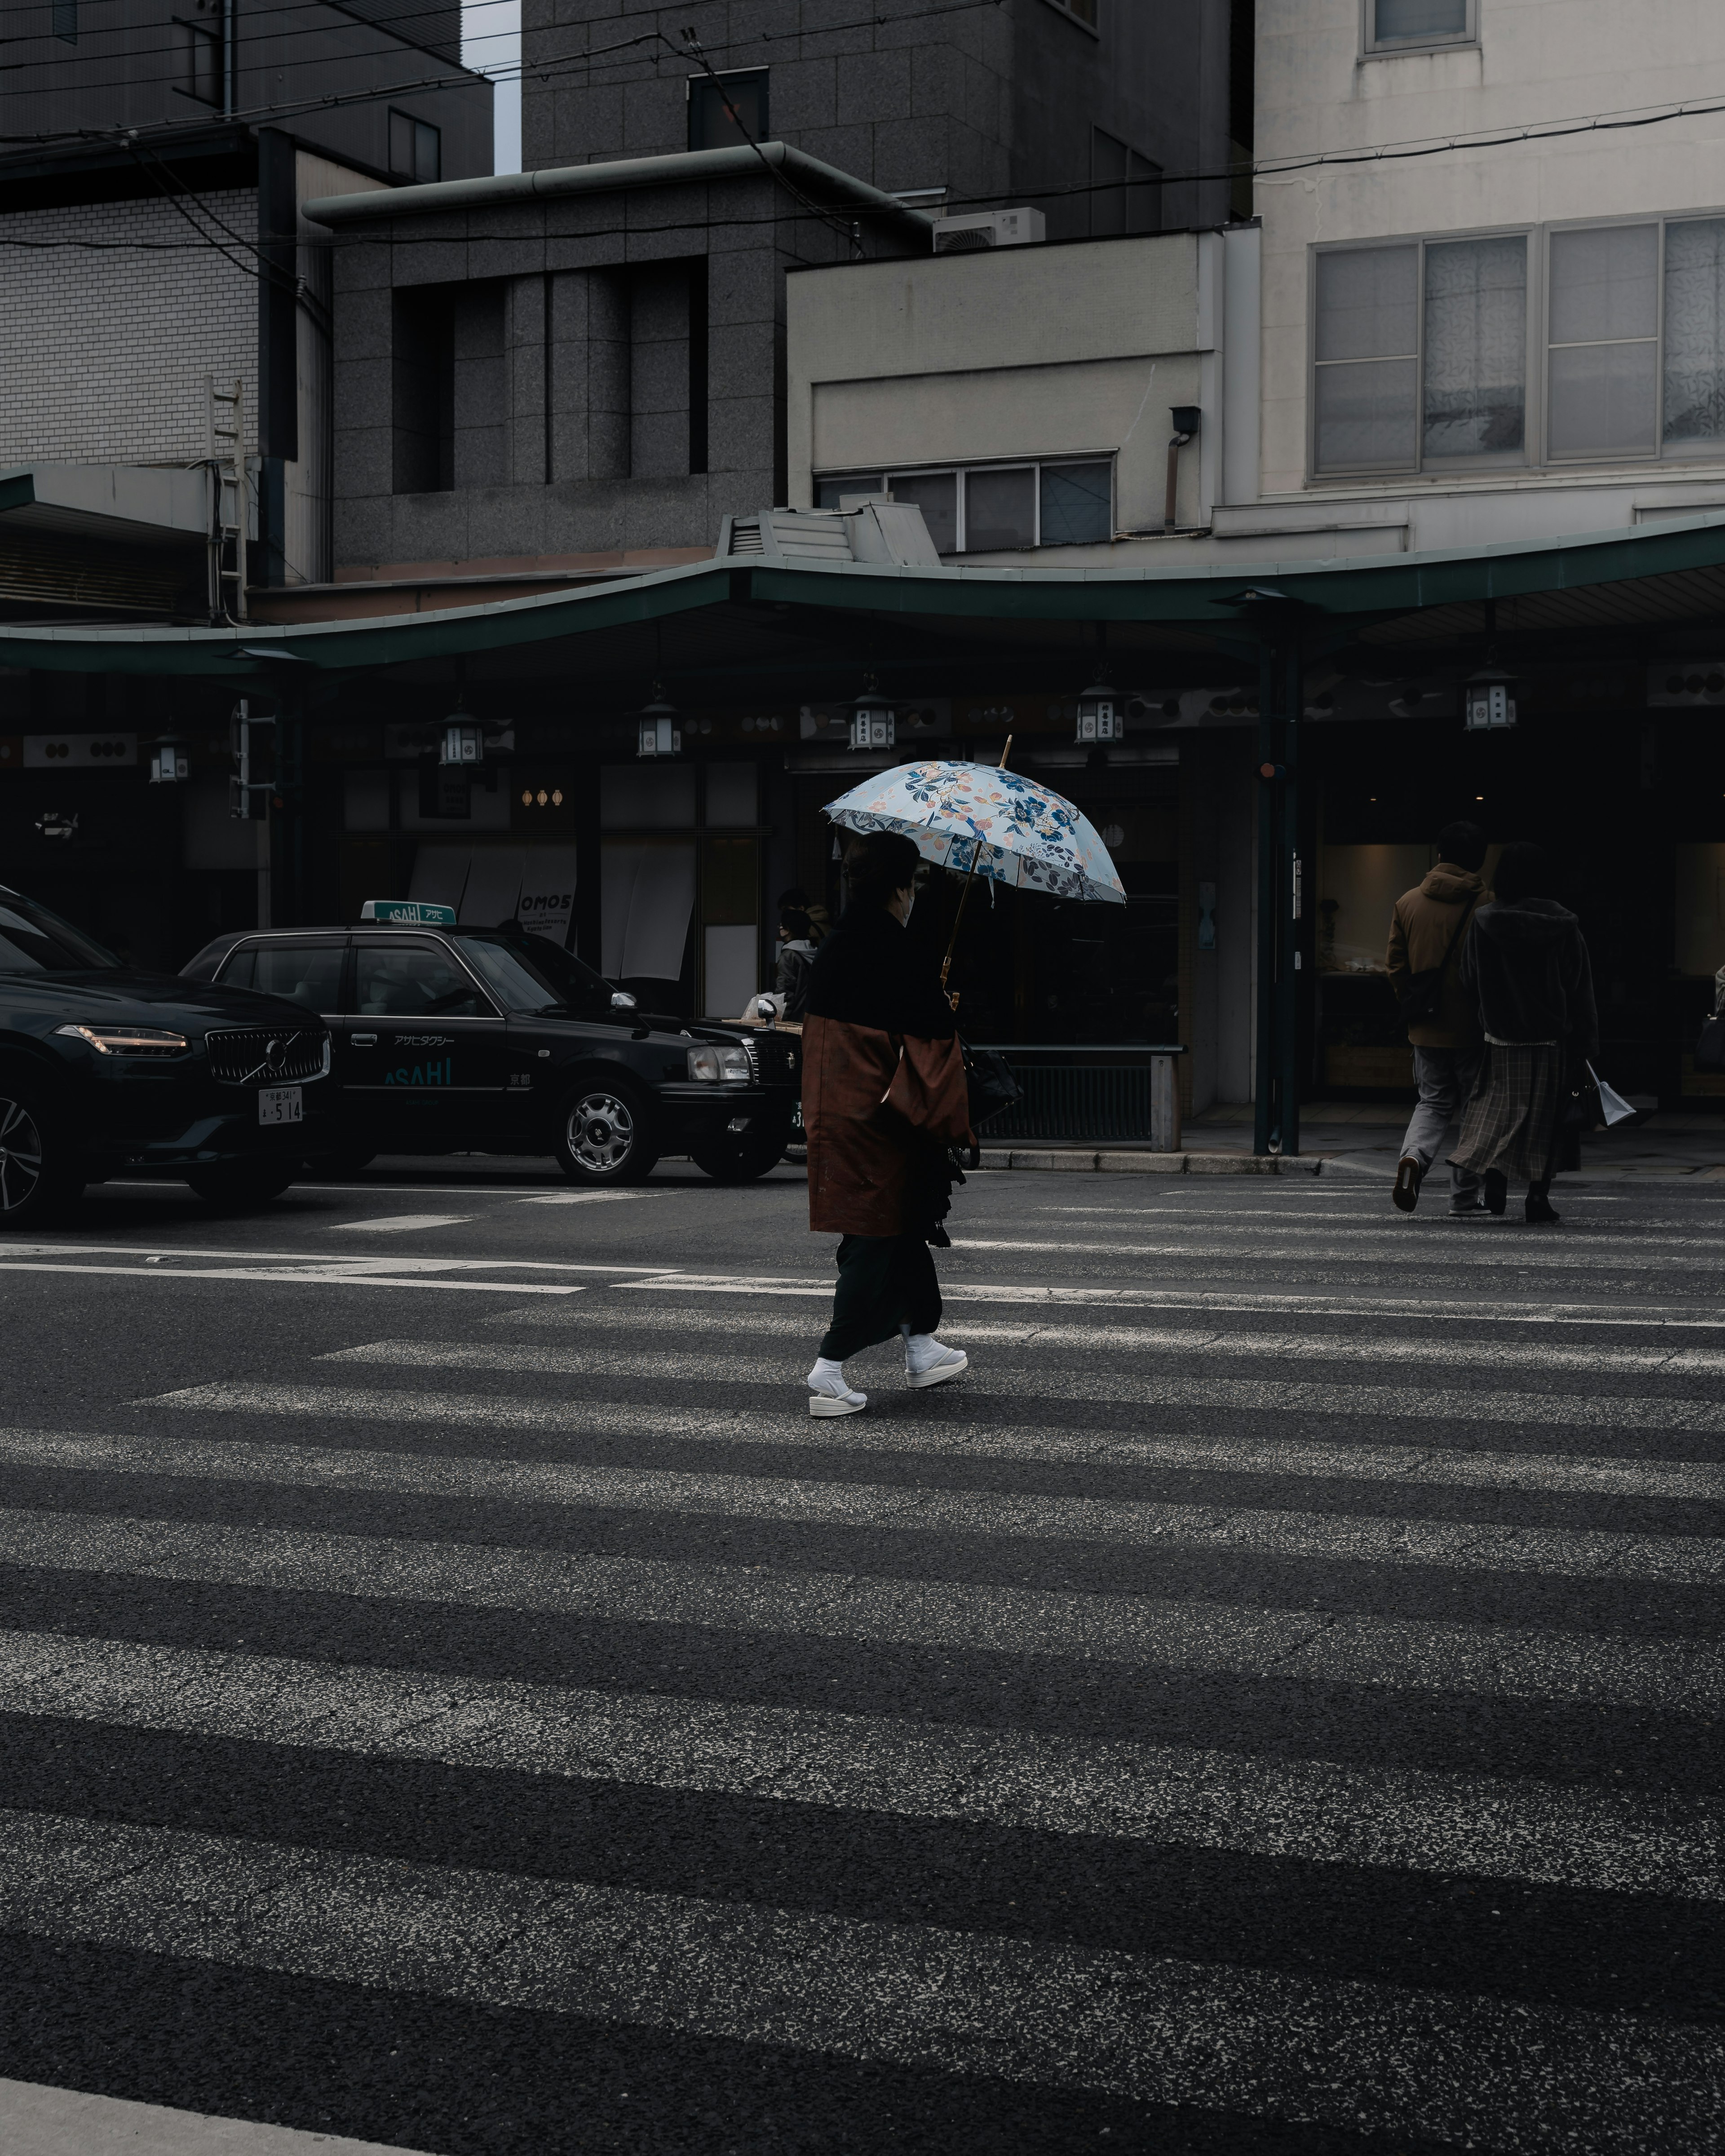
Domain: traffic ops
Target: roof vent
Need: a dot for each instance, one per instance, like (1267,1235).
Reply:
(993,227)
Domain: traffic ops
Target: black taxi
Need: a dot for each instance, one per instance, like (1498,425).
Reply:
(449,1039)
(106,1070)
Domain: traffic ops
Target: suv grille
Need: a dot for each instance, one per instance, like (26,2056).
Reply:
(775,1058)
(258,1056)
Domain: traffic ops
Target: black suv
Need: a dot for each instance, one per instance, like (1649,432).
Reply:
(451,1040)
(103,1069)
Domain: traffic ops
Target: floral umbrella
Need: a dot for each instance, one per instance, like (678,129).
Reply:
(994,823)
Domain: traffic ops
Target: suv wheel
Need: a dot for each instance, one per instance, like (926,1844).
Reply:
(36,1170)
(740,1159)
(242,1186)
(605,1134)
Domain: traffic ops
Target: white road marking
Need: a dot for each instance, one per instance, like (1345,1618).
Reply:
(398,1224)
(35,2121)
(1263,1250)
(1194,1342)
(1670,1674)
(588,1197)
(1124,1388)
(1484,1826)
(284,1276)
(1560,1553)
(1359,2057)
(1422,1466)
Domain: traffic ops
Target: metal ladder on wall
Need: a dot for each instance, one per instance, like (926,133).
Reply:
(224,411)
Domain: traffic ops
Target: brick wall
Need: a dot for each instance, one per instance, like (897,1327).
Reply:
(103,350)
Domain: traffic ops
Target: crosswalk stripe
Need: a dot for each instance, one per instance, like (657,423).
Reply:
(1665,1674)
(1359,2056)
(1430,1257)
(1471,1545)
(1418,1542)
(1127,1387)
(1427,1466)
(1632,1237)
(1547,1834)
(38,2120)
(1665,1359)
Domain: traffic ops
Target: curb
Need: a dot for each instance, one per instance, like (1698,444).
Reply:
(1075,1161)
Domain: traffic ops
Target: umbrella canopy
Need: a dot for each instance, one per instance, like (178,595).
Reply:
(1017,832)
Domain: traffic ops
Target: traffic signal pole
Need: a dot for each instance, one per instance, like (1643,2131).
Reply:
(1281,879)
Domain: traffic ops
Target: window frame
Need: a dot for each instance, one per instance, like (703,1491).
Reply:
(212,38)
(1533,374)
(1065,8)
(413,124)
(1371,48)
(1659,453)
(881,483)
(726,75)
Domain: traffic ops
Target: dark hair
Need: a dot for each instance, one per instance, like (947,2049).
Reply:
(1463,843)
(879,864)
(1522,872)
(796,899)
(796,924)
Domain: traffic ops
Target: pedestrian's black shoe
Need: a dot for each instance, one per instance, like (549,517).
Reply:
(1539,1208)
(1497,1190)
(1466,1212)
(1408,1176)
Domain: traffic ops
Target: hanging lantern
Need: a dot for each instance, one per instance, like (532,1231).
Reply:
(1101,717)
(659,735)
(873,722)
(1487,705)
(463,741)
(169,765)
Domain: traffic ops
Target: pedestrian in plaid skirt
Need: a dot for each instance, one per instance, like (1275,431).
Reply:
(1527,965)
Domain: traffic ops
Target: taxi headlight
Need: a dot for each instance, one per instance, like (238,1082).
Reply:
(715,1064)
(127,1040)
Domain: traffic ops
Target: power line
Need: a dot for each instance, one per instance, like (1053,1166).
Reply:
(520,70)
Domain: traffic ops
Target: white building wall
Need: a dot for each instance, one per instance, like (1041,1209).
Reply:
(1538,64)
(103,347)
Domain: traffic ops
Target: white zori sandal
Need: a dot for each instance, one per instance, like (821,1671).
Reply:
(927,1363)
(828,1392)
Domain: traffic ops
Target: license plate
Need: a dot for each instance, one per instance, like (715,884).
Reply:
(281,1104)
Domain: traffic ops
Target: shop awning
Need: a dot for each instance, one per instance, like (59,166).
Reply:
(758,625)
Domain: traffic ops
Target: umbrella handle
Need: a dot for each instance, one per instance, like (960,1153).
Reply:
(963,896)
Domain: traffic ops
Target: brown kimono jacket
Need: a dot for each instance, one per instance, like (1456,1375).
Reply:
(871,1102)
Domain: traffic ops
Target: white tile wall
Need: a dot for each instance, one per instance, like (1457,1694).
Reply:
(103,350)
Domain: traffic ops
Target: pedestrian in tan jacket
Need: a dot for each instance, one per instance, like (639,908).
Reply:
(1427,931)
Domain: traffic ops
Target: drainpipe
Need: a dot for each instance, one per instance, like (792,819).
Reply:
(230,56)
(1186,418)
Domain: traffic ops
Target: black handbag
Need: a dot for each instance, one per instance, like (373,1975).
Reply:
(1421,996)
(1710,1048)
(992,1087)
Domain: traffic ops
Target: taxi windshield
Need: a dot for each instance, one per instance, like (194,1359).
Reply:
(34,940)
(531,973)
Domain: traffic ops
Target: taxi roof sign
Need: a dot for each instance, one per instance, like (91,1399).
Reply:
(408,912)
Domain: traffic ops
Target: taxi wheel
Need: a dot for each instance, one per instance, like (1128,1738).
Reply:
(36,1169)
(605,1134)
(240,1187)
(739,1159)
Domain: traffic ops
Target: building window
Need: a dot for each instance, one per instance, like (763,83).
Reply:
(416,148)
(66,20)
(727,109)
(1126,188)
(200,62)
(1400,26)
(990,508)
(1419,355)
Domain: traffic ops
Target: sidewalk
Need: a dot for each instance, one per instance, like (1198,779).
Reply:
(1364,1138)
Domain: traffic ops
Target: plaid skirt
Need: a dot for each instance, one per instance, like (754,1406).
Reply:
(1510,1120)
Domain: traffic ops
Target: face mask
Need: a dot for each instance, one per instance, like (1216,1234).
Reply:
(910,909)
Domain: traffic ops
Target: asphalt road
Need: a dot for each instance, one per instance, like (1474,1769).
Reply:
(452,1695)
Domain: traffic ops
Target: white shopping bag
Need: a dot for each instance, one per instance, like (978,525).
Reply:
(1612,1105)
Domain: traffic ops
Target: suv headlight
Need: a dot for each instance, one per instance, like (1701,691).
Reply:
(713,1065)
(127,1040)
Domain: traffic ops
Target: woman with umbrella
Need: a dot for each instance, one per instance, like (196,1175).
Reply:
(884,1096)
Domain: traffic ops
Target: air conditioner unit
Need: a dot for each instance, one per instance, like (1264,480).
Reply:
(993,228)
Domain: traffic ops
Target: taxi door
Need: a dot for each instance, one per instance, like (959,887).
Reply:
(426,1055)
